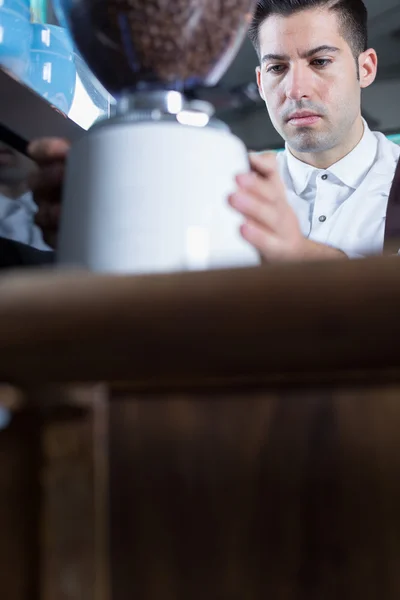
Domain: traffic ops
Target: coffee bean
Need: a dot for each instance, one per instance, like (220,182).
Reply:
(161,42)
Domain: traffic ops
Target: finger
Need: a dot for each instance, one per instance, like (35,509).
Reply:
(264,164)
(255,209)
(265,242)
(46,150)
(267,190)
(48,180)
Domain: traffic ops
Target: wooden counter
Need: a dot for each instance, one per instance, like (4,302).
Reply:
(212,435)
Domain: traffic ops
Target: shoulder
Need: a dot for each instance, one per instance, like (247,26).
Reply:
(387,150)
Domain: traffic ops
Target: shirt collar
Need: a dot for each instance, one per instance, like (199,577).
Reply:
(350,170)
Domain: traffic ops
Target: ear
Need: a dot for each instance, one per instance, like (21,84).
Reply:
(258,76)
(368,65)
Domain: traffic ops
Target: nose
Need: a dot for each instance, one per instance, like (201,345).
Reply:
(298,82)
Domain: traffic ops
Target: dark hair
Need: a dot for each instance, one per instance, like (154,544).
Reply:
(352,16)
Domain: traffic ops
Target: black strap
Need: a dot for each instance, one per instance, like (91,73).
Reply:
(392,224)
(13,139)
(14,254)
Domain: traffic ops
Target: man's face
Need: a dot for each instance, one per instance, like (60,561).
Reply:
(309,79)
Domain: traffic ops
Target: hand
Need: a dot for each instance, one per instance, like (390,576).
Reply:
(271,225)
(46,184)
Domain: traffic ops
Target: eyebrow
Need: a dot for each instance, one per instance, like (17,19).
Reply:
(307,54)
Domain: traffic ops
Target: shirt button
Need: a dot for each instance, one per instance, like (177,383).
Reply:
(322,218)
(324,177)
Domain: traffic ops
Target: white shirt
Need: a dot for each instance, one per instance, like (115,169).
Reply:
(17,221)
(344,206)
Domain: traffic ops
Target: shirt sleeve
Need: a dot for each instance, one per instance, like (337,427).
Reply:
(17,221)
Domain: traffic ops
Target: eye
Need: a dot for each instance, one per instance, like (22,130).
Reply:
(276,69)
(321,63)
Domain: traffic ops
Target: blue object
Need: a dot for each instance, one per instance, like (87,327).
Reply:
(25,3)
(15,37)
(51,38)
(39,11)
(62,9)
(395,138)
(20,7)
(52,71)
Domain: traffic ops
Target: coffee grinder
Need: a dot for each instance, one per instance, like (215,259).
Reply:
(146,190)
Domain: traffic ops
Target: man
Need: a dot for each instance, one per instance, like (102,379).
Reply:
(17,209)
(26,248)
(326,195)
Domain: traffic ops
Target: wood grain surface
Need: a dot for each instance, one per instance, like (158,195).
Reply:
(291,496)
(20,508)
(74,502)
(241,325)
(246,444)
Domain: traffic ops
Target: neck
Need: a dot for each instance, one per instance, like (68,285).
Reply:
(324,160)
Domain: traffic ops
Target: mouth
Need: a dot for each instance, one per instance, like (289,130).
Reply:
(303,119)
